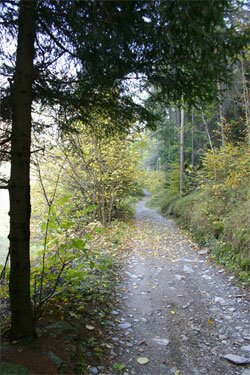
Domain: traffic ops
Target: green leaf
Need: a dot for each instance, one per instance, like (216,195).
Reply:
(99,230)
(119,366)
(78,244)
(61,201)
(88,236)
(66,224)
(43,226)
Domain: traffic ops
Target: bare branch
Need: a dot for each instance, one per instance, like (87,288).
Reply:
(4,141)
(2,276)
(37,150)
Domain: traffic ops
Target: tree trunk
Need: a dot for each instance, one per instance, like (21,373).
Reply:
(22,322)
(192,138)
(221,113)
(245,85)
(207,130)
(181,150)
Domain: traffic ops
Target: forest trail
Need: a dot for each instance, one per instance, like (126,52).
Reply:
(178,312)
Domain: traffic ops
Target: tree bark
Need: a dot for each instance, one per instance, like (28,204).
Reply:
(207,130)
(246,93)
(192,138)
(221,113)
(22,322)
(181,149)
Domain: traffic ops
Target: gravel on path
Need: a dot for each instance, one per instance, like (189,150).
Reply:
(179,313)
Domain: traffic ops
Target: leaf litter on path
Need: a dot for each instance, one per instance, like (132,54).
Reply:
(142,360)
(185,315)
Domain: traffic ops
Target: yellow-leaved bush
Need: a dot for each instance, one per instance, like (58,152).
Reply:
(102,172)
(218,212)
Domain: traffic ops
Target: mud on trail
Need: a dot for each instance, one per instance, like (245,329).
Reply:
(178,313)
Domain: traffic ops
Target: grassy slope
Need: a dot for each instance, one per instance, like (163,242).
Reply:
(218,212)
(224,228)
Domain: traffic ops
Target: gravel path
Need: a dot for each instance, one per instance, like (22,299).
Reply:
(178,312)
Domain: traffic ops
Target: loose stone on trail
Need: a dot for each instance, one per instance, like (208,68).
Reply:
(237,359)
(93,370)
(114,312)
(132,276)
(124,325)
(206,277)
(188,269)
(246,348)
(220,300)
(179,277)
(159,341)
(203,252)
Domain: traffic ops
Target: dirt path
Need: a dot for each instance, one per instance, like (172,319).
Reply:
(177,313)
(177,309)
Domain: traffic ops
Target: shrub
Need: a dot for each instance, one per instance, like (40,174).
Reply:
(218,212)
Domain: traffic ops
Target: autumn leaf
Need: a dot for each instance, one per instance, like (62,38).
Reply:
(142,360)
(210,321)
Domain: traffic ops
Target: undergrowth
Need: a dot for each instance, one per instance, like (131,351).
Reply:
(217,212)
(84,294)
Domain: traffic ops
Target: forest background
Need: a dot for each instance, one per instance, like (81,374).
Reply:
(91,154)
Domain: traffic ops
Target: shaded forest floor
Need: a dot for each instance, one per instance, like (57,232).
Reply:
(173,312)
